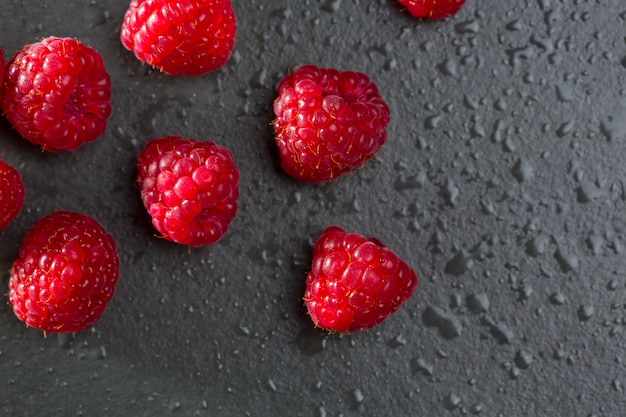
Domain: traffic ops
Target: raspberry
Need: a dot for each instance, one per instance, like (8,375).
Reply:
(190,189)
(432,9)
(190,37)
(328,122)
(57,93)
(355,283)
(2,67)
(66,273)
(11,194)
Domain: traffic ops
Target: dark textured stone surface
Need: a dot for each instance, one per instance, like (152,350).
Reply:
(502,183)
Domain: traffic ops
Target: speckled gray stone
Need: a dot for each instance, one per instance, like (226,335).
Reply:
(502,183)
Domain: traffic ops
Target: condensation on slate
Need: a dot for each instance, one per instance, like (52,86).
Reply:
(502,183)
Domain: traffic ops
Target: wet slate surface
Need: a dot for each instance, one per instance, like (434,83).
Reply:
(502,183)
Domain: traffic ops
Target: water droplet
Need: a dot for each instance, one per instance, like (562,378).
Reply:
(357,394)
(563,93)
(614,125)
(331,6)
(537,245)
(565,128)
(420,366)
(477,408)
(470,102)
(432,122)
(448,324)
(462,262)
(469,26)
(566,260)
(596,244)
(397,341)
(523,359)
(311,341)
(271,385)
(414,181)
(557,299)
(448,67)
(522,170)
(585,312)
(451,401)
(450,192)
(514,25)
(499,331)
(478,303)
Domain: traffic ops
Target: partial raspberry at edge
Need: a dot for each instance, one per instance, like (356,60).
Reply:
(66,273)
(190,189)
(355,283)
(57,93)
(12,193)
(191,37)
(328,122)
(432,9)
(3,65)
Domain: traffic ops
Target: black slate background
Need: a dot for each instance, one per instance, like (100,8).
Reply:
(502,183)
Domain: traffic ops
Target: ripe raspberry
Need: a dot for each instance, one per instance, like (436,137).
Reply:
(57,93)
(66,273)
(190,189)
(11,194)
(355,283)
(432,9)
(328,122)
(2,67)
(180,37)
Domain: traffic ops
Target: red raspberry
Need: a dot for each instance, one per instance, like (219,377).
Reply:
(11,194)
(328,122)
(66,273)
(2,67)
(432,9)
(57,93)
(180,37)
(355,283)
(190,189)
